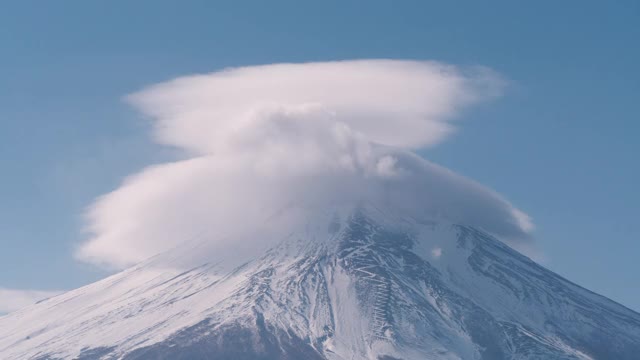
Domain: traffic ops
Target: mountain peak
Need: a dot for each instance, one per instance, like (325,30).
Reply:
(352,285)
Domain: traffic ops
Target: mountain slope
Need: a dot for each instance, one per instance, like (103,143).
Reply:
(363,285)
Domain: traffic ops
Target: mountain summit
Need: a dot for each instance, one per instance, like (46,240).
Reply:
(361,284)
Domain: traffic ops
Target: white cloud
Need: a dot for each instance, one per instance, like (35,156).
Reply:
(392,102)
(11,299)
(262,139)
(386,166)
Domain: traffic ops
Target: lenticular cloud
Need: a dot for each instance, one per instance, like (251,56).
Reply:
(311,136)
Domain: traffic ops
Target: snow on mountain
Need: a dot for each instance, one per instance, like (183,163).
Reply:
(359,284)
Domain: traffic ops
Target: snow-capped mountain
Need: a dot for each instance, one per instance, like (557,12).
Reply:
(351,285)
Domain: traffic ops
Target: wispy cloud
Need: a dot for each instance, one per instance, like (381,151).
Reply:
(13,299)
(316,135)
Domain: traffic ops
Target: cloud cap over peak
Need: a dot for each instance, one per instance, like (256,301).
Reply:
(317,135)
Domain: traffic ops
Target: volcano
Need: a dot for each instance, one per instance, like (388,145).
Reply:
(360,284)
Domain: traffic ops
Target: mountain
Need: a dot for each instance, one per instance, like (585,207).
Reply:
(361,284)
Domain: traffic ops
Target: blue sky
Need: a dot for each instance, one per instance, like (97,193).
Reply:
(561,143)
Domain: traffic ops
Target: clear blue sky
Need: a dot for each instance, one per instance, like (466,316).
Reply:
(562,144)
